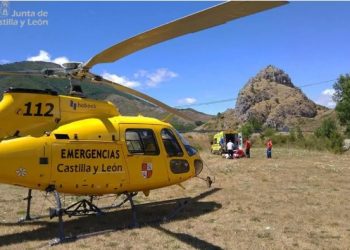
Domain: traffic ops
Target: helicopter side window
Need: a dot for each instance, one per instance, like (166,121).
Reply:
(171,145)
(141,141)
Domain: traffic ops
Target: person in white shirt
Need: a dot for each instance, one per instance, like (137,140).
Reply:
(229,146)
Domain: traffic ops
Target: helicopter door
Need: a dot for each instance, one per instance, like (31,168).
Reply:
(143,157)
(88,167)
(179,168)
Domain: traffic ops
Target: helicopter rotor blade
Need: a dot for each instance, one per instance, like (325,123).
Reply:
(139,95)
(211,17)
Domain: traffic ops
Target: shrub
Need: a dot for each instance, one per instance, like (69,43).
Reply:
(247,130)
(342,98)
(299,133)
(255,124)
(328,133)
(327,128)
(268,132)
(292,137)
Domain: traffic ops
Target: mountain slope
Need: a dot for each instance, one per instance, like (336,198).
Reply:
(127,104)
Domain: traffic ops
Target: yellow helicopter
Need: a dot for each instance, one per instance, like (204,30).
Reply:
(73,145)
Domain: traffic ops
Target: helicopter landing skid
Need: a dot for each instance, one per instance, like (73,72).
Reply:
(83,207)
(28,199)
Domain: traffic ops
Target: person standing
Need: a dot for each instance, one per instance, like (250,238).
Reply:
(269,148)
(247,146)
(229,146)
(222,145)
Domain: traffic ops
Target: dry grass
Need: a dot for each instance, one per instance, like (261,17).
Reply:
(297,200)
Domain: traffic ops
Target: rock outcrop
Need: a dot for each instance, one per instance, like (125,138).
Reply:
(272,98)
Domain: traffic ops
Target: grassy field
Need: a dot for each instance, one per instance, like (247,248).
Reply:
(296,200)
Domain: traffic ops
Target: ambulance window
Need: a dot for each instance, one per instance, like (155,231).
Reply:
(171,145)
(141,141)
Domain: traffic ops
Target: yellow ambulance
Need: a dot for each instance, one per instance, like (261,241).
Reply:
(218,144)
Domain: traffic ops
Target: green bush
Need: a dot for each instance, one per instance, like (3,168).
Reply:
(336,143)
(300,135)
(326,137)
(267,133)
(342,98)
(256,124)
(247,130)
(327,128)
(330,136)
(292,137)
(280,139)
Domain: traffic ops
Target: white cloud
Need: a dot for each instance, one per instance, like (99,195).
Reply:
(141,73)
(329,92)
(153,79)
(3,61)
(121,80)
(325,98)
(188,100)
(44,56)
(61,60)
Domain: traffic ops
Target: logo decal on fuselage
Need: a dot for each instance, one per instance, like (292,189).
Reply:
(74,105)
(146,170)
(21,172)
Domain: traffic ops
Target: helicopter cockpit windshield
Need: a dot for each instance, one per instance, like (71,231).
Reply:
(190,149)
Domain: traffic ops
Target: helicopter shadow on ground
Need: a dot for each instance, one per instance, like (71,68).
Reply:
(152,214)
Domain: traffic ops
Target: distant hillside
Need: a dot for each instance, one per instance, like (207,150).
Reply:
(127,104)
(271,98)
(222,121)
(196,115)
(27,66)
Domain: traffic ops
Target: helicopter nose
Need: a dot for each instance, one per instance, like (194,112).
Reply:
(198,166)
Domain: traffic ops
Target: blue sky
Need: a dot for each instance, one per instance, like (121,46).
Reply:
(308,40)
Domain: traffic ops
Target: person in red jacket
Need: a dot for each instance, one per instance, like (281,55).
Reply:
(247,146)
(269,148)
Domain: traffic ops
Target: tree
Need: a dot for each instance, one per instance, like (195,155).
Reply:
(300,135)
(255,124)
(330,134)
(292,136)
(247,130)
(327,129)
(342,98)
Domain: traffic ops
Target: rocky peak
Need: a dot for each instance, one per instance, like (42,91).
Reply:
(273,74)
(272,98)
